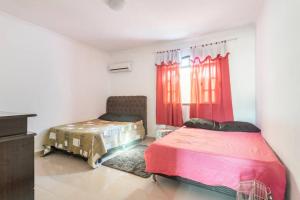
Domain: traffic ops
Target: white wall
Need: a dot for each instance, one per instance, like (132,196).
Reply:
(277,83)
(45,73)
(66,81)
(141,81)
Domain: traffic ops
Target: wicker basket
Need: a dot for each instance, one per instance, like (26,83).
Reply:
(253,190)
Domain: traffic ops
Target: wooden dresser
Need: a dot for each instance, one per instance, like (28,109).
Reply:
(16,157)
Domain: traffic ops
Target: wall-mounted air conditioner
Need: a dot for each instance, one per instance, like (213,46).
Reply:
(120,67)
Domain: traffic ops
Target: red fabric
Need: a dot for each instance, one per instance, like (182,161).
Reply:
(217,158)
(168,97)
(210,89)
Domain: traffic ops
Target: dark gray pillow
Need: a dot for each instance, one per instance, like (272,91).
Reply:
(120,118)
(202,123)
(236,126)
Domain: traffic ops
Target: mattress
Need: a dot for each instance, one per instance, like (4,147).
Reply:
(92,139)
(217,159)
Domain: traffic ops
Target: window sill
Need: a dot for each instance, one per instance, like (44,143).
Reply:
(188,104)
(185,104)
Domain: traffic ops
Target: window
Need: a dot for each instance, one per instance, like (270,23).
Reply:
(208,79)
(169,81)
(185,80)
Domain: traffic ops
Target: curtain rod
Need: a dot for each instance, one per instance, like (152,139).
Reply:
(200,45)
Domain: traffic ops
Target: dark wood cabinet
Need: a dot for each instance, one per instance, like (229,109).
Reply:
(16,158)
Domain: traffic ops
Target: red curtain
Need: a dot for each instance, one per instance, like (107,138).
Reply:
(168,97)
(210,89)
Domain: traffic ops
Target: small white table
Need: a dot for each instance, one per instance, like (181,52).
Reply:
(162,132)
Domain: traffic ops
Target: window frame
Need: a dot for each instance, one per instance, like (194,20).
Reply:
(184,67)
(211,78)
(212,90)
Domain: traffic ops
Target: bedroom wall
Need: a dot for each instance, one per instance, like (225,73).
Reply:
(57,78)
(142,80)
(277,83)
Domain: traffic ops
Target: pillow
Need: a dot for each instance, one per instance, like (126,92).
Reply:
(202,123)
(236,126)
(120,118)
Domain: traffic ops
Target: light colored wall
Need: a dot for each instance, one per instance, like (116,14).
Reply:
(42,72)
(66,81)
(141,81)
(277,83)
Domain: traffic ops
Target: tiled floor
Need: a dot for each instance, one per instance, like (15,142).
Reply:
(63,177)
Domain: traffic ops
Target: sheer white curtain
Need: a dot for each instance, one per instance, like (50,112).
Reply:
(212,50)
(168,57)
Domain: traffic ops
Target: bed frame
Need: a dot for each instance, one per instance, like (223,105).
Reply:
(220,189)
(137,105)
(130,105)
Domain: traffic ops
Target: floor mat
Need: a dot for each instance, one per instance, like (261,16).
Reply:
(130,161)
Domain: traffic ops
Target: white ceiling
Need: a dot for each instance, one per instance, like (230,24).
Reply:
(139,23)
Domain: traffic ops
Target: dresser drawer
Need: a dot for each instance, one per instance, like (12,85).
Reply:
(17,167)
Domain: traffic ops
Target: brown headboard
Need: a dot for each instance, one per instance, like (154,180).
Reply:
(131,105)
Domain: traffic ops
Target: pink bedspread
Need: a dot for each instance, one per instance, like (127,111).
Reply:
(217,158)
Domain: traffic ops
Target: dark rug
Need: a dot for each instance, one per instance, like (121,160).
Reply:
(131,161)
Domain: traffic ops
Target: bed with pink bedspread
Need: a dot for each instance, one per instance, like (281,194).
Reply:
(217,158)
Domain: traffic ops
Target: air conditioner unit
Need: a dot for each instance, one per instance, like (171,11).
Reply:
(120,67)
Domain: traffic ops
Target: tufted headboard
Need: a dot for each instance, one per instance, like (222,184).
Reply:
(131,105)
